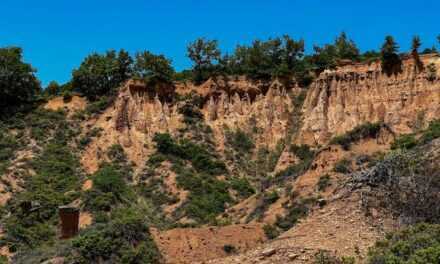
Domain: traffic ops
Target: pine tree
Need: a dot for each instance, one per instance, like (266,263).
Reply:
(391,62)
(416,43)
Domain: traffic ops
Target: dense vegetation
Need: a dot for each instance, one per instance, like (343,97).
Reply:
(208,196)
(416,244)
(18,84)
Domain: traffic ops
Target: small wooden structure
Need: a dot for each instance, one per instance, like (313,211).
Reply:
(69,217)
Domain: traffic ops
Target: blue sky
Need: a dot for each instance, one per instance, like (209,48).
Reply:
(57,34)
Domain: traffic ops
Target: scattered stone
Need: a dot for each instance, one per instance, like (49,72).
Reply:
(269,252)
(292,256)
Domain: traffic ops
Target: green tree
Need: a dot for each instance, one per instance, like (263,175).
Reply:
(390,60)
(324,58)
(327,57)
(18,84)
(415,45)
(204,54)
(125,66)
(100,75)
(152,68)
(346,48)
(53,88)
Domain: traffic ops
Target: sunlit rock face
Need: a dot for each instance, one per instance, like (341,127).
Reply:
(351,95)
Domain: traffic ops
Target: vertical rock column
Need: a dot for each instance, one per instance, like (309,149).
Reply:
(69,218)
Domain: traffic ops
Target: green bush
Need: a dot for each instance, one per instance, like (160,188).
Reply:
(242,186)
(201,159)
(109,189)
(264,202)
(404,142)
(53,185)
(432,132)
(343,166)
(306,156)
(67,96)
(303,152)
(98,106)
(190,111)
(291,218)
(240,141)
(87,138)
(416,244)
(270,231)
(8,145)
(367,130)
(125,239)
(324,182)
(208,195)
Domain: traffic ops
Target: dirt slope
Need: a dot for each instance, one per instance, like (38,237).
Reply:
(188,245)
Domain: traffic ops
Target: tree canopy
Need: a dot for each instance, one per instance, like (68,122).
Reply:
(101,74)
(204,54)
(18,84)
(391,62)
(153,68)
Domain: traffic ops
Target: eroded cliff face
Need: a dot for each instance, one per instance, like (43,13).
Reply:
(132,121)
(137,115)
(266,117)
(336,102)
(349,96)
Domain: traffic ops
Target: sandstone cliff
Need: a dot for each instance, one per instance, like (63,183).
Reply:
(349,96)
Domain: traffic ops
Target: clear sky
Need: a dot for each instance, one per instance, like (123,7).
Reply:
(57,34)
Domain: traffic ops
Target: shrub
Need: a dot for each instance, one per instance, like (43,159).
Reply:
(432,132)
(270,231)
(367,130)
(8,145)
(406,183)
(230,249)
(404,142)
(416,244)
(291,218)
(98,106)
(242,186)
(303,152)
(271,197)
(324,182)
(67,96)
(263,204)
(125,239)
(208,195)
(87,138)
(432,72)
(109,189)
(343,166)
(190,111)
(240,141)
(200,158)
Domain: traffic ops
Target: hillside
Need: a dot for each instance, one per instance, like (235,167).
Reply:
(231,170)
